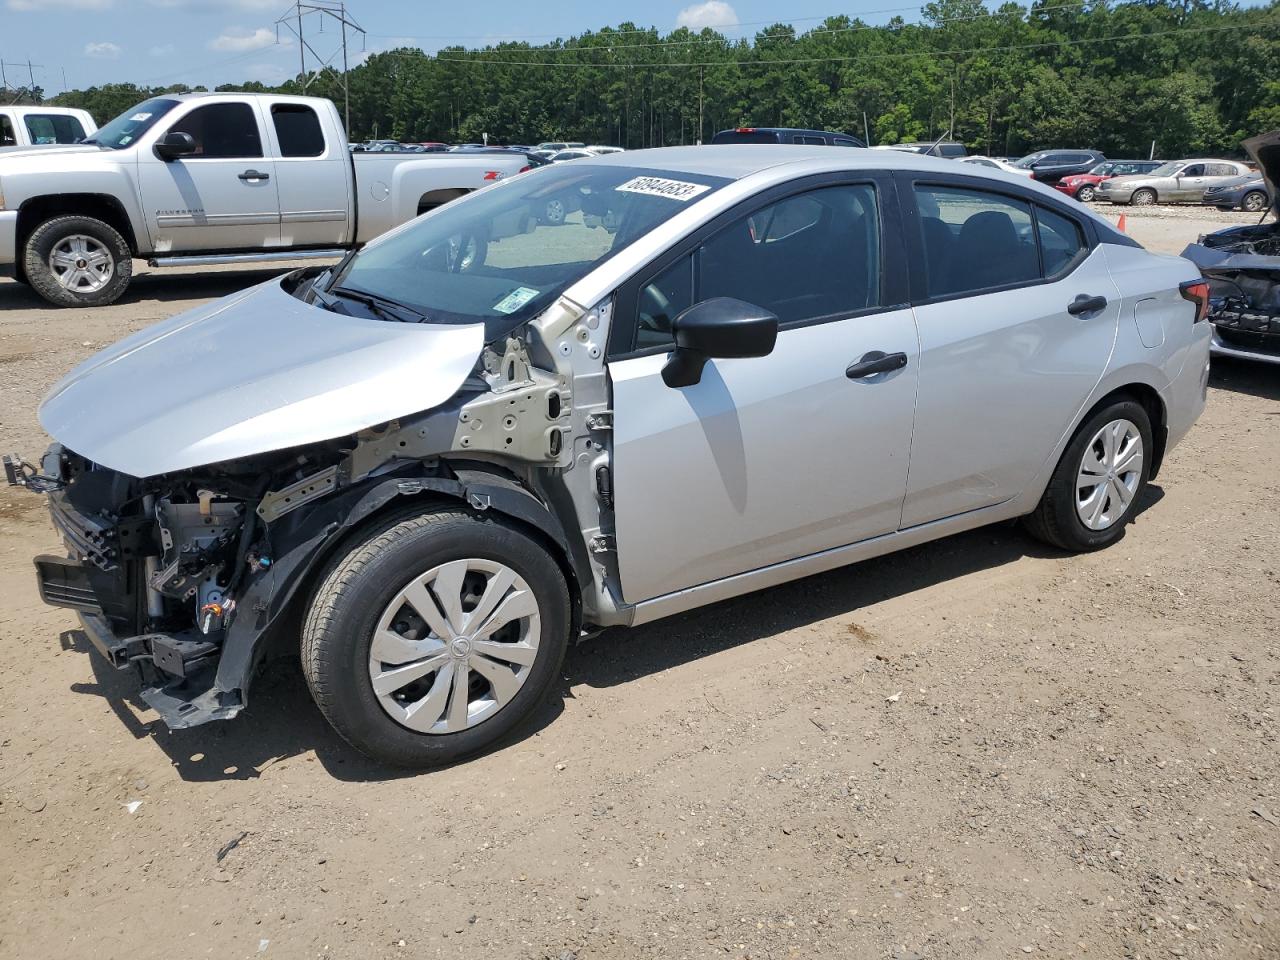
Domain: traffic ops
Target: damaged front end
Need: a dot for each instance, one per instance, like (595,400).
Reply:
(1242,265)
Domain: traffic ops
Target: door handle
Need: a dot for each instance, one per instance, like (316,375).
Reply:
(254,175)
(1086,304)
(875,362)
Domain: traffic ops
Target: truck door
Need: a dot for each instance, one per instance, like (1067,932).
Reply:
(223,196)
(313,175)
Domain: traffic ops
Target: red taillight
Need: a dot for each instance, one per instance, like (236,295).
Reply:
(1197,291)
(526,168)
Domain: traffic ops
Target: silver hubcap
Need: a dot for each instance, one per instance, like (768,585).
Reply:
(81,264)
(555,211)
(1086,194)
(1109,474)
(1144,198)
(454,646)
(1254,202)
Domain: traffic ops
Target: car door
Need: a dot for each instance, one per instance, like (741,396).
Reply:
(312,173)
(223,196)
(1006,360)
(1189,184)
(771,458)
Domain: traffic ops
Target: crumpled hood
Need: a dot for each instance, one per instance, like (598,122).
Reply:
(1264,149)
(254,372)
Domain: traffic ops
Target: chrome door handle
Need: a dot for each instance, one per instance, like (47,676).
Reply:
(1086,304)
(254,175)
(875,362)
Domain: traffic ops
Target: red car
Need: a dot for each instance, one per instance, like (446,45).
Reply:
(1083,186)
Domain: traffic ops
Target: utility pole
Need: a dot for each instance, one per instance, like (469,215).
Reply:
(337,10)
(698,140)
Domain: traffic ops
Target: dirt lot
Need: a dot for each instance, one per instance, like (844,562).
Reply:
(977,748)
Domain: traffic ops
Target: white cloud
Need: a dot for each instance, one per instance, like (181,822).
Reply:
(712,13)
(239,40)
(26,6)
(164,50)
(103,50)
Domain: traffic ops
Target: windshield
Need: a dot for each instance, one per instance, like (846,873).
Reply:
(504,254)
(133,123)
(1168,169)
(1029,159)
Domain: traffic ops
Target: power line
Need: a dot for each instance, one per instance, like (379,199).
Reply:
(885,56)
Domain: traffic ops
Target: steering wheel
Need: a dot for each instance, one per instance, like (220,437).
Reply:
(655,310)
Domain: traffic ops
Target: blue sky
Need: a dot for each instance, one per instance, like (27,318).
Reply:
(153,42)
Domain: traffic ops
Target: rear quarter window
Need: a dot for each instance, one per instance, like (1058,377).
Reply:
(298,130)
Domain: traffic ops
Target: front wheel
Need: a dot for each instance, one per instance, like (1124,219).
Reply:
(1144,197)
(1254,201)
(435,637)
(1086,193)
(77,262)
(1095,488)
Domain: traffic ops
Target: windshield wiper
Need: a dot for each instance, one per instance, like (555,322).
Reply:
(381,306)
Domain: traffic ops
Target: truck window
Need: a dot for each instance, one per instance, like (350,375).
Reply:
(297,130)
(7,139)
(53,128)
(222,130)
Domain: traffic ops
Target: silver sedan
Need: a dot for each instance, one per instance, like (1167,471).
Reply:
(485,435)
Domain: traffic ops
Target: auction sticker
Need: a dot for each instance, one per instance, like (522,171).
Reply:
(516,299)
(139,117)
(659,187)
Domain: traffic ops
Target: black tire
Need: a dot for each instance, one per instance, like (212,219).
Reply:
(44,281)
(1086,193)
(1055,520)
(1143,197)
(1253,201)
(357,587)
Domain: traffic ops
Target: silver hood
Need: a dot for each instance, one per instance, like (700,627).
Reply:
(254,372)
(1264,149)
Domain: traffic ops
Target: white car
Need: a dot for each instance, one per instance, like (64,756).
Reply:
(600,150)
(481,436)
(996,164)
(573,154)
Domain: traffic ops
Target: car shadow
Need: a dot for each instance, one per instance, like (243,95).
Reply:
(283,723)
(158,285)
(1246,376)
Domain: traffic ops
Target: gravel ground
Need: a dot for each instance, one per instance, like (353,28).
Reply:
(976,748)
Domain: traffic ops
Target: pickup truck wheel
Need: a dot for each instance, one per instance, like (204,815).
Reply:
(435,637)
(1096,486)
(77,262)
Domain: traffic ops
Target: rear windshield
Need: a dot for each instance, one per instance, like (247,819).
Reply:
(133,123)
(745,136)
(53,128)
(503,254)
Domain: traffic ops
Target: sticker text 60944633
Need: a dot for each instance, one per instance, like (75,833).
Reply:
(660,187)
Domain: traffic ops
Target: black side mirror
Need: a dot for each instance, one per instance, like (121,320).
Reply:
(175,144)
(720,327)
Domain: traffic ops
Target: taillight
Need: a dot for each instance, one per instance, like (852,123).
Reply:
(526,168)
(745,130)
(1197,291)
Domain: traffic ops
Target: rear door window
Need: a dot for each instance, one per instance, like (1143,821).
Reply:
(297,130)
(974,240)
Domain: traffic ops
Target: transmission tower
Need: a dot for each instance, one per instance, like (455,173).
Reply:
(319,11)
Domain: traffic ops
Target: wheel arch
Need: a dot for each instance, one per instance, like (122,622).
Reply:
(438,198)
(1149,398)
(99,206)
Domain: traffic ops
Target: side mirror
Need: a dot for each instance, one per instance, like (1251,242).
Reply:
(175,144)
(720,327)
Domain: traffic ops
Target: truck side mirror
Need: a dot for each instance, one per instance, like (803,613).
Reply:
(175,144)
(719,327)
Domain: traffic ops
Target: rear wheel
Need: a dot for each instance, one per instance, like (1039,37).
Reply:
(1095,488)
(1254,201)
(1144,197)
(1086,193)
(554,212)
(435,637)
(77,262)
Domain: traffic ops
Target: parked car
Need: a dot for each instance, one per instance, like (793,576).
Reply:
(433,146)
(602,150)
(995,163)
(1242,265)
(786,135)
(562,155)
(944,148)
(1050,166)
(446,465)
(211,178)
(1248,193)
(37,126)
(555,146)
(1084,186)
(1172,182)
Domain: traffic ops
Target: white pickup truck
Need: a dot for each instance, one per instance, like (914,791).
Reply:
(26,126)
(211,178)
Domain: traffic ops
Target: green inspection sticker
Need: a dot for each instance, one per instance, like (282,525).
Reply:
(516,299)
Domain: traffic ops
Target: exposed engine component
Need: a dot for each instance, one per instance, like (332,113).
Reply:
(196,538)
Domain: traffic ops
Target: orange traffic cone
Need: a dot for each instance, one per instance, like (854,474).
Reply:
(1120,223)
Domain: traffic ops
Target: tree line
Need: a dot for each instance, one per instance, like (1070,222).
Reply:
(1189,77)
